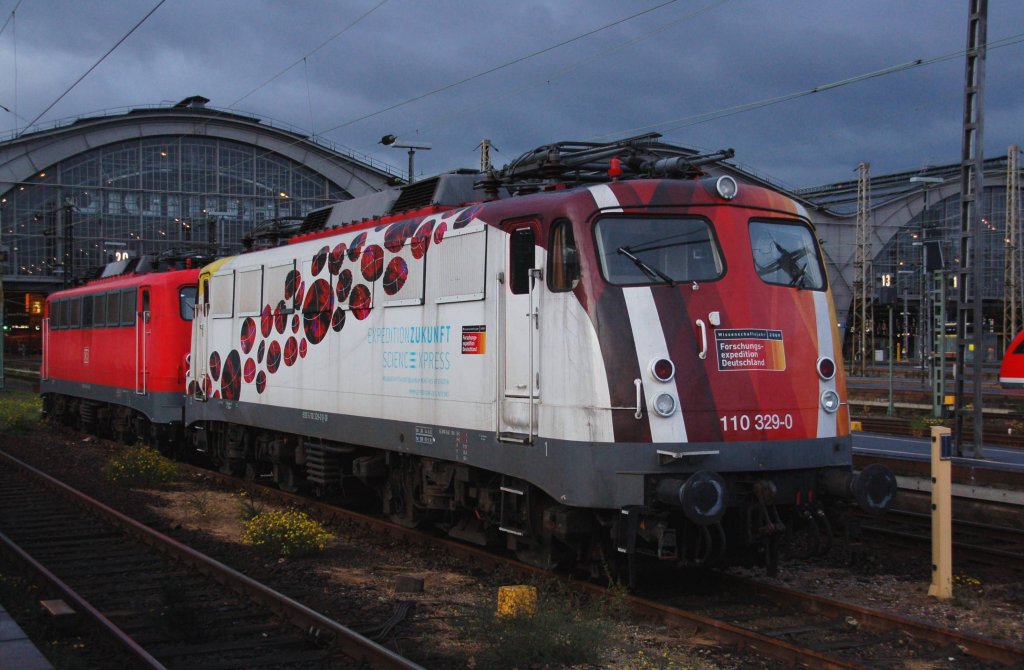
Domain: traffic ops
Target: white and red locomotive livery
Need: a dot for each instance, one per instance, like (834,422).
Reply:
(647,364)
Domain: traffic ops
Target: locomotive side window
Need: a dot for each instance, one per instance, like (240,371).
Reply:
(786,254)
(274,281)
(249,291)
(86,311)
(113,308)
(458,268)
(65,313)
(563,258)
(187,302)
(223,295)
(75,318)
(522,255)
(128,307)
(641,250)
(99,310)
(55,315)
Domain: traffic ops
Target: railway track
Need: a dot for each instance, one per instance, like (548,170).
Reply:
(166,604)
(800,629)
(989,544)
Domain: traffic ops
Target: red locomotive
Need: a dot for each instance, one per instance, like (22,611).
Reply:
(115,352)
(1011,372)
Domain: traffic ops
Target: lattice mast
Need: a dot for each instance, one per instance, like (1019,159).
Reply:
(861,272)
(969,321)
(1012,307)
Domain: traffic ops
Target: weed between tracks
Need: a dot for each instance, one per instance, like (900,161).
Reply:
(142,467)
(19,412)
(286,533)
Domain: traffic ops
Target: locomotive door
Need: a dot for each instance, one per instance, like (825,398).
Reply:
(143,333)
(520,333)
(200,362)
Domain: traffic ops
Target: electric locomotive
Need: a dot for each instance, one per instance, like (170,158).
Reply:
(1011,371)
(599,351)
(115,351)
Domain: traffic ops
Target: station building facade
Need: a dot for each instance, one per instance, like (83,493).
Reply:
(909,211)
(149,181)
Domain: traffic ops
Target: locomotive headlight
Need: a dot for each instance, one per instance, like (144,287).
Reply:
(830,401)
(826,368)
(663,369)
(664,404)
(727,187)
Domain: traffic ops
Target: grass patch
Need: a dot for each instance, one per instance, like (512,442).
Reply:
(568,629)
(141,467)
(200,504)
(19,412)
(285,533)
(249,507)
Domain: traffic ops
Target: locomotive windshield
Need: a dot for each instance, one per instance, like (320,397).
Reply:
(785,254)
(187,302)
(639,250)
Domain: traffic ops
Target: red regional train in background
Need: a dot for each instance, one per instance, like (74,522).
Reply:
(600,351)
(1011,371)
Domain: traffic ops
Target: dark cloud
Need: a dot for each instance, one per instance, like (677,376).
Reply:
(688,58)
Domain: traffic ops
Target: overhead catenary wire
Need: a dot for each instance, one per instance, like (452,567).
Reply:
(544,81)
(497,68)
(96,64)
(695,119)
(313,51)
(450,86)
(10,16)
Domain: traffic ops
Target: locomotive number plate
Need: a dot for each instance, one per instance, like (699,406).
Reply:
(744,422)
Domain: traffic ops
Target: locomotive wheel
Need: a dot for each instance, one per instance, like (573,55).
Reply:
(286,478)
(399,500)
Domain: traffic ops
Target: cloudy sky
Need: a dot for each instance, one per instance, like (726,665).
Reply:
(524,73)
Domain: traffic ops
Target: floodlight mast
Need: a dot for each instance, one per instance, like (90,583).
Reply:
(392,141)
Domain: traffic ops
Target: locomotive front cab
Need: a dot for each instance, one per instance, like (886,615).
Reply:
(1011,371)
(736,365)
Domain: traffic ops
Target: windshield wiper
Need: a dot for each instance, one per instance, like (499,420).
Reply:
(653,273)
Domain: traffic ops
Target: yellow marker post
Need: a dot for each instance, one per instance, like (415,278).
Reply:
(942,514)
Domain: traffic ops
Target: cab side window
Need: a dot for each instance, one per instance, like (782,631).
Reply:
(522,257)
(563,258)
